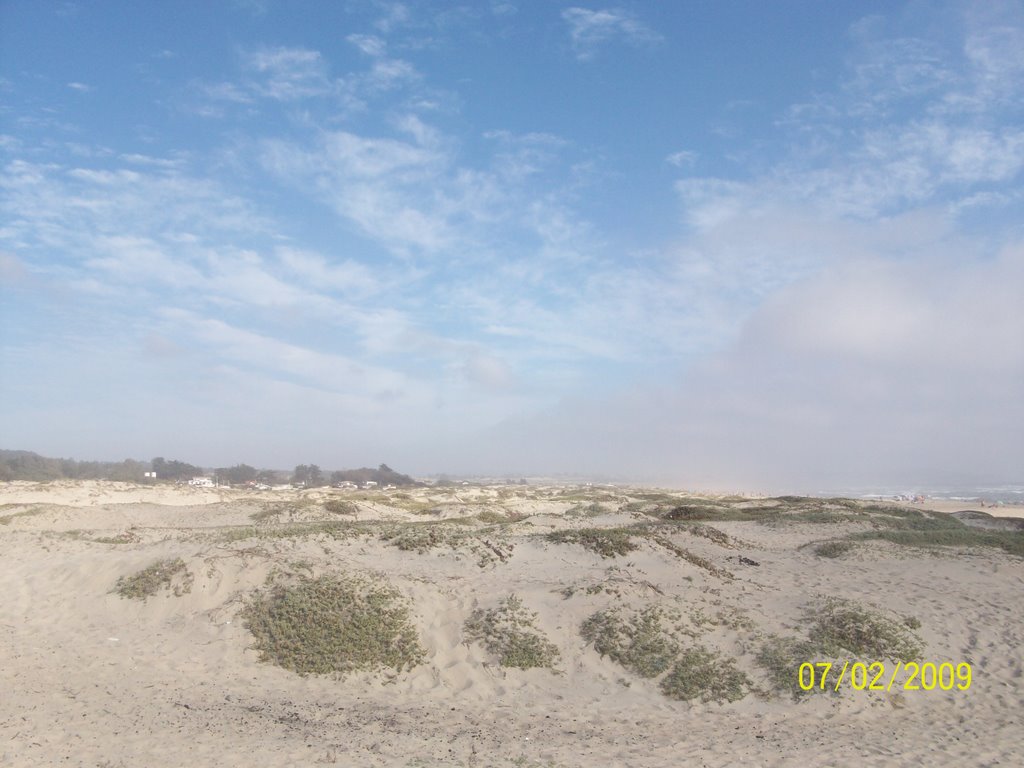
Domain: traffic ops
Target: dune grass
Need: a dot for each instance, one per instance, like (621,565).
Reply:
(607,542)
(699,673)
(509,633)
(649,644)
(333,624)
(839,626)
(7,519)
(335,529)
(1011,542)
(838,630)
(645,642)
(833,548)
(163,574)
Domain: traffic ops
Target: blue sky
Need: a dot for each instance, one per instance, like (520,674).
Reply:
(718,244)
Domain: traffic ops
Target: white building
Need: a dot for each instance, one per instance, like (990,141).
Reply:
(202,482)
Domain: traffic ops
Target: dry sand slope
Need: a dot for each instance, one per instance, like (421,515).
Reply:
(92,678)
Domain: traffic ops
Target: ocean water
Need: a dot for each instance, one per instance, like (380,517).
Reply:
(1010,493)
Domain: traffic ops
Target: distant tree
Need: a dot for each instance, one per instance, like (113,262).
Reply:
(267,477)
(238,474)
(383,475)
(174,470)
(309,475)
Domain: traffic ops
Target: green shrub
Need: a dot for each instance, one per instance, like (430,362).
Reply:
(781,657)
(643,643)
(163,574)
(509,633)
(333,624)
(422,537)
(698,673)
(843,625)
(647,643)
(607,542)
(339,507)
(833,548)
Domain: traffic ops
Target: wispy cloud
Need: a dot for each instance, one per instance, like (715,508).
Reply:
(289,74)
(589,30)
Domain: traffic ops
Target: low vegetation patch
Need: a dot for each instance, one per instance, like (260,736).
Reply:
(607,542)
(340,507)
(7,519)
(125,537)
(1011,542)
(500,518)
(649,644)
(509,633)
(699,673)
(833,548)
(839,630)
(333,625)
(844,625)
(646,642)
(593,509)
(335,529)
(163,574)
(422,537)
(781,657)
(801,509)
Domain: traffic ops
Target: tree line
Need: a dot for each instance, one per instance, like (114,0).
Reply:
(26,465)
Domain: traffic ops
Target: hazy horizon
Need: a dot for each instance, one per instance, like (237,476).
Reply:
(734,246)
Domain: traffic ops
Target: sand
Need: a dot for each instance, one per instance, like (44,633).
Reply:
(89,678)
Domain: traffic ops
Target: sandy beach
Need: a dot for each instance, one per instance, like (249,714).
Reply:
(92,677)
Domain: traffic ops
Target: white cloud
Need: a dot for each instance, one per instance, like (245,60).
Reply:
(682,159)
(588,29)
(345,276)
(371,45)
(290,73)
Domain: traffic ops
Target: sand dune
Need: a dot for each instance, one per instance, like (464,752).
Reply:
(91,678)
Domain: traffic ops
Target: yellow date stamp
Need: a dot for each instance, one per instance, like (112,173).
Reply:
(876,676)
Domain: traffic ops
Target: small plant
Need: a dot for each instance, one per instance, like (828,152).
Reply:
(642,643)
(833,548)
(333,624)
(843,625)
(125,537)
(607,542)
(421,537)
(781,657)
(269,511)
(500,518)
(163,574)
(509,633)
(647,643)
(594,509)
(336,529)
(6,519)
(698,673)
(339,507)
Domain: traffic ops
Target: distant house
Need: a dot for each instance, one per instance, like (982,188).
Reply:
(370,484)
(345,484)
(202,482)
